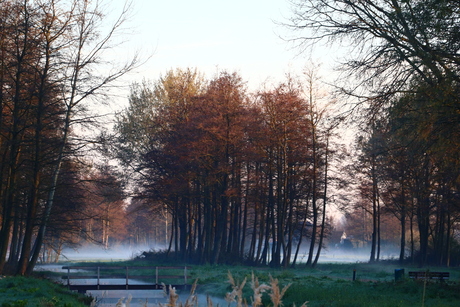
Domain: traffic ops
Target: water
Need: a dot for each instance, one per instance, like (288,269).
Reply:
(143,298)
(140,298)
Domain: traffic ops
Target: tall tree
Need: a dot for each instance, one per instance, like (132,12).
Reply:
(233,170)
(406,57)
(288,152)
(79,81)
(49,52)
(391,40)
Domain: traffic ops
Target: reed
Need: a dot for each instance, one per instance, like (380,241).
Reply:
(236,295)
(122,303)
(276,295)
(258,289)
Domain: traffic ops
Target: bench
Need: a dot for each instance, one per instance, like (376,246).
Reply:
(429,275)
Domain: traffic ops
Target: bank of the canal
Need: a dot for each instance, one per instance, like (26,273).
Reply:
(19,291)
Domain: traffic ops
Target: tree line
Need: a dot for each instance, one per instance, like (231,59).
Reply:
(402,75)
(404,62)
(49,51)
(226,175)
(241,175)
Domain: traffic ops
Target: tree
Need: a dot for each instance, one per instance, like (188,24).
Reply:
(155,132)
(105,207)
(233,171)
(405,61)
(322,125)
(66,227)
(49,54)
(30,115)
(80,83)
(419,127)
(288,152)
(392,41)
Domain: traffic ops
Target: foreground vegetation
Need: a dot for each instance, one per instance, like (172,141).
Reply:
(333,285)
(26,291)
(326,285)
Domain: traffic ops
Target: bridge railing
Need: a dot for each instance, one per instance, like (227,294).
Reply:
(153,277)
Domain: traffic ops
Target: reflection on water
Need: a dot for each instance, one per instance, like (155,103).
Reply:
(140,298)
(143,298)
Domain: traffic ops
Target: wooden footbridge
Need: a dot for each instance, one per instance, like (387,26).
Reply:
(125,277)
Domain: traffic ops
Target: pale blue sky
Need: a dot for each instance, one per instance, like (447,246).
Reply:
(212,35)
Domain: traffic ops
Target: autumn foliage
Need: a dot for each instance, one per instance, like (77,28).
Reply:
(234,170)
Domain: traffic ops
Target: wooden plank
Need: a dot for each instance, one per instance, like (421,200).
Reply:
(84,288)
(76,267)
(103,276)
(94,276)
(107,272)
(429,275)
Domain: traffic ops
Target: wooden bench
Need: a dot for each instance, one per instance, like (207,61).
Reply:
(429,275)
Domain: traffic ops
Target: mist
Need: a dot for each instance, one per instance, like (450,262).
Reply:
(93,252)
(126,252)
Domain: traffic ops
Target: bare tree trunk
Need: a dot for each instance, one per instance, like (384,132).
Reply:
(374,207)
(402,218)
(304,223)
(50,199)
(86,20)
(323,219)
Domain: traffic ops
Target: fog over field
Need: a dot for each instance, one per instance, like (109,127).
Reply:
(121,252)
(140,298)
(98,253)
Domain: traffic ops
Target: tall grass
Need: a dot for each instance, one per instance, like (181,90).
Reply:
(328,285)
(235,296)
(24,291)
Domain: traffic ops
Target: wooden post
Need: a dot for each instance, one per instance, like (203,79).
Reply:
(156,276)
(98,276)
(185,276)
(68,276)
(126,278)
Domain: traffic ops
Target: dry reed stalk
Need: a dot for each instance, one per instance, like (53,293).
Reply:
(120,302)
(209,301)
(258,290)
(276,295)
(237,294)
(173,296)
(192,299)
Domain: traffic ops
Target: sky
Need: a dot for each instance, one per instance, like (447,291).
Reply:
(215,35)
(243,36)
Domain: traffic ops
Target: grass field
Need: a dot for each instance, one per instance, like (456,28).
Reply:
(329,284)
(326,285)
(28,292)
(333,285)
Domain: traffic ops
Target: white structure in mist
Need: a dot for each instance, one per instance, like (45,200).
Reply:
(343,237)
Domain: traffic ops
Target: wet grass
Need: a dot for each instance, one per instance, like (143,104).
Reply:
(327,284)
(25,292)
(333,285)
